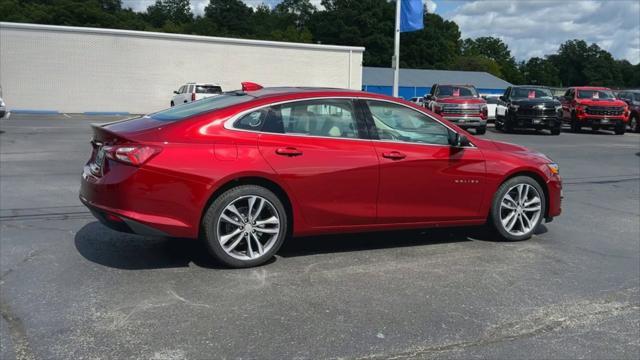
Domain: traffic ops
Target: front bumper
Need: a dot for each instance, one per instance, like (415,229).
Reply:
(536,121)
(554,187)
(601,121)
(466,122)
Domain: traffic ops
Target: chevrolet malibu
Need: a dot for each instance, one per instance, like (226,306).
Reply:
(245,170)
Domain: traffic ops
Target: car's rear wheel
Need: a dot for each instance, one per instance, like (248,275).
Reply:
(518,208)
(245,226)
(555,130)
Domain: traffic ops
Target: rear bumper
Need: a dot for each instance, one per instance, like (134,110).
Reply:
(121,223)
(140,201)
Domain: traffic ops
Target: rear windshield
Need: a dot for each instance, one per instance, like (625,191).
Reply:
(208,89)
(180,112)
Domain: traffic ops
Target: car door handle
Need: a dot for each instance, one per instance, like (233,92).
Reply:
(394,155)
(288,151)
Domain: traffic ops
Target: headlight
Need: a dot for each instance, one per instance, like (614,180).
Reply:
(554,168)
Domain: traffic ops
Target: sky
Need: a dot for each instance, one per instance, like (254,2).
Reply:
(529,27)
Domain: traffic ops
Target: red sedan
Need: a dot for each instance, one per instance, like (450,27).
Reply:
(247,169)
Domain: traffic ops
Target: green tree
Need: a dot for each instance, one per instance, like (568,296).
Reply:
(367,23)
(435,46)
(477,63)
(231,17)
(540,71)
(497,50)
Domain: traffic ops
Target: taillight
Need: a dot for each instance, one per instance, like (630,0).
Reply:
(133,154)
(193,96)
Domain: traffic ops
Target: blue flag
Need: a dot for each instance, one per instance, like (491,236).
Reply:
(411,15)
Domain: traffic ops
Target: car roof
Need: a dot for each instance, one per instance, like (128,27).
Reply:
(310,91)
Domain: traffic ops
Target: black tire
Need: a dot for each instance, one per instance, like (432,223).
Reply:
(481,130)
(210,221)
(498,123)
(507,126)
(555,130)
(620,128)
(634,123)
(494,216)
(575,126)
(172,104)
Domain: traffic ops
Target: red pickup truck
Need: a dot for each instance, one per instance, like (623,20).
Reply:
(594,107)
(459,104)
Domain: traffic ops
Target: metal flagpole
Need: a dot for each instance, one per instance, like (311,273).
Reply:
(395,61)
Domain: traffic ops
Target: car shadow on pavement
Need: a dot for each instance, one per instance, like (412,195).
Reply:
(107,247)
(101,245)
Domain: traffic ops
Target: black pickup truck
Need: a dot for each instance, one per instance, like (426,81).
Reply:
(531,107)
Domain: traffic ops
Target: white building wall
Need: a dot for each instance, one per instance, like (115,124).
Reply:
(76,70)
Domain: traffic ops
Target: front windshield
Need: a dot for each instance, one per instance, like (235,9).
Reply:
(452,90)
(595,94)
(531,93)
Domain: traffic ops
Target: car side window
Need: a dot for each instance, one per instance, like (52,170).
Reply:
(396,122)
(253,120)
(325,117)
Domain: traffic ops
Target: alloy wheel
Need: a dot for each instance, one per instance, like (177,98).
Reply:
(520,209)
(248,227)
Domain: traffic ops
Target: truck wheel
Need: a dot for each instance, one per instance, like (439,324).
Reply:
(620,128)
(245,226)
(517,209)
(555,130)
(481,130)
(634,125)
(508,128)
(575,126)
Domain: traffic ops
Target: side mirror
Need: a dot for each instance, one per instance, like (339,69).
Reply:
(458,140)
(503,98)
(176,92)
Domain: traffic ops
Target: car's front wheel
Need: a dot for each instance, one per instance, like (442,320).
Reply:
(245,226)
(518,208)
(634,124)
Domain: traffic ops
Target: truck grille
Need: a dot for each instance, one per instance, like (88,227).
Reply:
(460,111)
(537,112)
(604,110)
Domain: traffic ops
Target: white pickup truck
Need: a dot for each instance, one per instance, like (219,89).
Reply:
(192,91)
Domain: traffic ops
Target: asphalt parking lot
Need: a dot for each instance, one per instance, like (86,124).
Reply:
(71,288)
